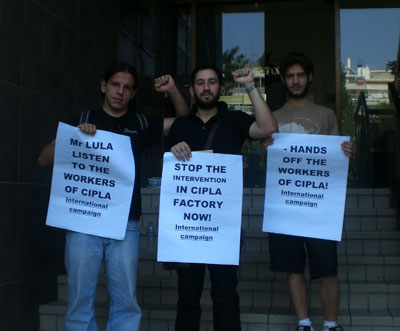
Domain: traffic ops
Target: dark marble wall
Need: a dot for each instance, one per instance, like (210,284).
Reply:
(148,40)
(52,55)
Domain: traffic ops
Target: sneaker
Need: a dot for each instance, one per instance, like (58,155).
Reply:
(304,328)
(334,328)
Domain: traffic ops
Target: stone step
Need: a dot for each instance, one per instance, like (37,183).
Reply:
(355,198)
(162,318)
(354,219)
(262,258)
(351,268)
(349,254)
(272,293)
(354,243)
(369,274)
(255,267)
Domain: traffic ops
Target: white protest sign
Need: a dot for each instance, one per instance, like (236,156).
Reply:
(306,186)
(92,182)
(201,209)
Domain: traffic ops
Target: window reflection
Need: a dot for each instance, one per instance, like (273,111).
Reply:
(369,47)
(240,51)
(232,37)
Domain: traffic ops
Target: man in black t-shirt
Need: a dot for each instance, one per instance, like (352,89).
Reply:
(85,253)
(191,133)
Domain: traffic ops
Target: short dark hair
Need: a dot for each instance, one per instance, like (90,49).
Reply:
(296,58)
(205,67)
(121,67)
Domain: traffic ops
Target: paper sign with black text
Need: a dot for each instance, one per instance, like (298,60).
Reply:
(92,182)
(306,186)
(201,209)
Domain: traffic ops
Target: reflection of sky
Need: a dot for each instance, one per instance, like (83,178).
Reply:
(245,30)
(370,36)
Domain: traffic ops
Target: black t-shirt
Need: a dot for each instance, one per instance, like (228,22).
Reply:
(143,131)
(229,137)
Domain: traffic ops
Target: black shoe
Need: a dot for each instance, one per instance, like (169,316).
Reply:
(336,328)
(303,328)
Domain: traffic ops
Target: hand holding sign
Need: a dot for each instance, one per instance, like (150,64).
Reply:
(200,209)
(305,186)
(90,191)
(88,128)
(182,151)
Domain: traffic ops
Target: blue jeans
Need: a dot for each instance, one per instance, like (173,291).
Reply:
(84,255)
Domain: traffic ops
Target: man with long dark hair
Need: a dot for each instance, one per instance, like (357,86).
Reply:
(288,253)
(85,253)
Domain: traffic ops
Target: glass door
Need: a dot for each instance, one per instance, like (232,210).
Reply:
(369,50)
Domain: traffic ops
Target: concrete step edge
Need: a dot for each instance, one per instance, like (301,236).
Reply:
(258,211)
(261,191)
(275,315)
(268,285)
(347,234)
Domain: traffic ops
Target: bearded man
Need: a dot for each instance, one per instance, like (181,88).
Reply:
(228,130)
(289,253)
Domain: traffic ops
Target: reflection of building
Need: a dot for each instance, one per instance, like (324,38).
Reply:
(374,83)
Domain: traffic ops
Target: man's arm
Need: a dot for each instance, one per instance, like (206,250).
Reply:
(348,148)
(266,142)
(46,156)
(166,84)
(265,123)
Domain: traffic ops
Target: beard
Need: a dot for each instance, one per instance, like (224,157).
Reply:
(301,95)
(206,105)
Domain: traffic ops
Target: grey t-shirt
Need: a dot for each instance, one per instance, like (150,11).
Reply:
(309,118)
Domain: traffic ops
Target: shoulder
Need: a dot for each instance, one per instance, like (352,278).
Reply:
(184,125)
(277,114)
(327,114)
(92,114)
(145,122)
(224,111)
(237,115)
(183,120)
(85,116)
(321,109)
(327,118)
(239,121)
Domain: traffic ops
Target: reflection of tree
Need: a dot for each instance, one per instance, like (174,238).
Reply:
(348,108)
(270,67)
(383,106)
(253,163)
(232,60)
(394,67)
(348,122)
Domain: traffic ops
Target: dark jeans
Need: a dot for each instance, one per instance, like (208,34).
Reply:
(225,299)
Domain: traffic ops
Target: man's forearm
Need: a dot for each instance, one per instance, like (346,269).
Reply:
(180,104)
(46,156)
(265,123)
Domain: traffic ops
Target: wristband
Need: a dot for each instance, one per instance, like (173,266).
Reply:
(250,88)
